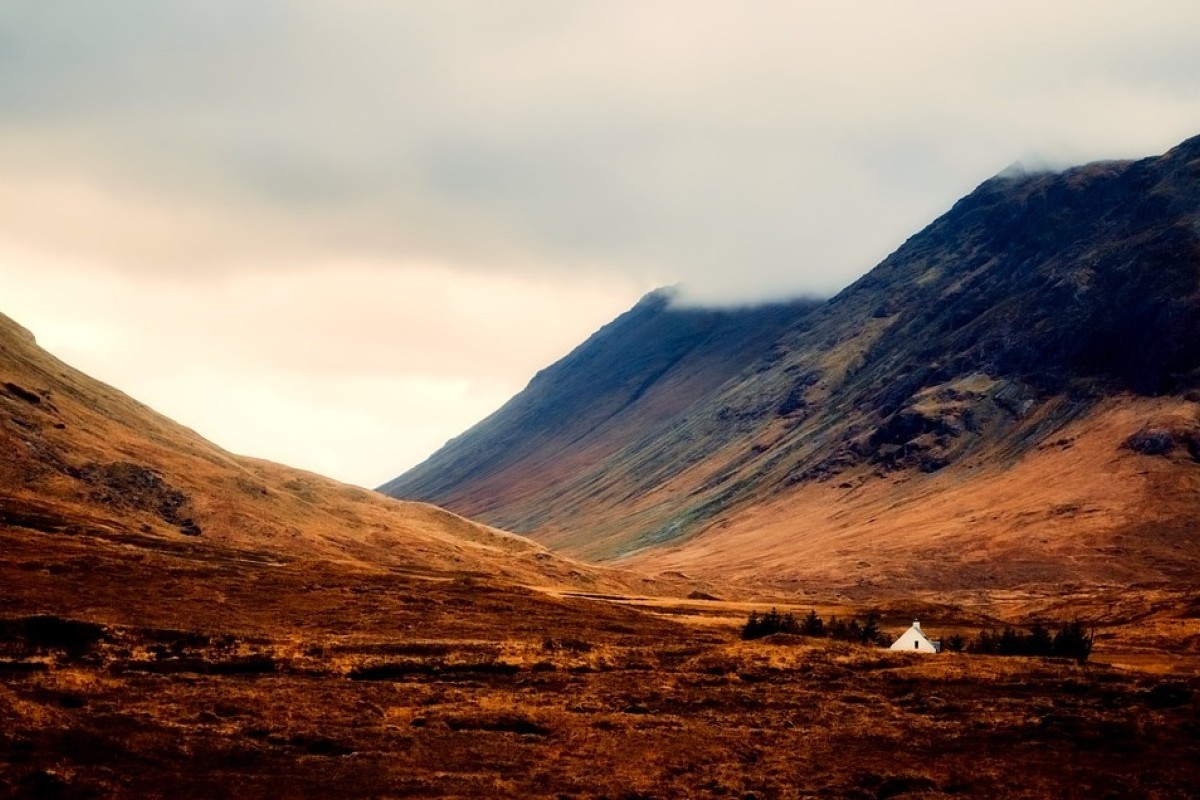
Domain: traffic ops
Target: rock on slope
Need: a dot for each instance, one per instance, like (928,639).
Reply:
(1039,315)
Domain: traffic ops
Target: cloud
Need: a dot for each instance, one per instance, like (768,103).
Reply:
(790,145)
(362,193)
(355,370)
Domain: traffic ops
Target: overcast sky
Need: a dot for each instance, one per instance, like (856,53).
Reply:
(337,233)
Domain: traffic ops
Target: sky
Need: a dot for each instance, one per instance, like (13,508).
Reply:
(336,233)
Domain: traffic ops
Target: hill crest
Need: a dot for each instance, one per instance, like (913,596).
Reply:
(86,462)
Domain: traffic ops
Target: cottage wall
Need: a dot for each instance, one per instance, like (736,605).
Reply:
(913,641)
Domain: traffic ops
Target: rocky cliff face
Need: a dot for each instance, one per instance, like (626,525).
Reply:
(1032,302)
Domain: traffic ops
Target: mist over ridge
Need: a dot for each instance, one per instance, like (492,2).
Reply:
(1040,309)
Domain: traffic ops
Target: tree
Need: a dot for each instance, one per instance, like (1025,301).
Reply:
(869,632)
(986,643)
(753,627)
(1074,641)
(1039,641)
(956,643)
(812,625)
(1011,643)
(757,627)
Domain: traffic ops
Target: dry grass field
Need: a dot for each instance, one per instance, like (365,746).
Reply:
(141,672)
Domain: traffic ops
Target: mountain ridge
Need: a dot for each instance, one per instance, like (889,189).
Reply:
(1013,315)
(676,334)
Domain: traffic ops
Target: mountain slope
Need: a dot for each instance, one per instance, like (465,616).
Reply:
(1037,303)
(85,463)
(643,370)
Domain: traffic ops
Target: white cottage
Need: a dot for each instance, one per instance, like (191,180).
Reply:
(914,641)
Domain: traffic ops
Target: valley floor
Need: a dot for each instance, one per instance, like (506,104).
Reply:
(155,674)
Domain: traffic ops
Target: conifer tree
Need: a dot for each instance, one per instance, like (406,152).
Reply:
(1011,643)
(1039,642)
(753,627)
(869,632)
(1074,641)
(812,625)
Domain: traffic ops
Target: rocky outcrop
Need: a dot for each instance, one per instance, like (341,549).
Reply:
(134,487)
(1166,439)
(1151,442)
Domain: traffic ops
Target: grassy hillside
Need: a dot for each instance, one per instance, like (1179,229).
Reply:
(85,463)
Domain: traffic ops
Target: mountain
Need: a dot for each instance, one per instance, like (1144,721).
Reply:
(1009,398)
(641,372)
(177,621)
(90,473)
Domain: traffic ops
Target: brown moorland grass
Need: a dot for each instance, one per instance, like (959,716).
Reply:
(1078,511)
(257,681)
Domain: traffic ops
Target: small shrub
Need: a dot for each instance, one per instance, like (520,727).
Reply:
(567,645)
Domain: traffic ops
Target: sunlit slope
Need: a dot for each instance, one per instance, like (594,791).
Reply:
(81,459)
(1079,509)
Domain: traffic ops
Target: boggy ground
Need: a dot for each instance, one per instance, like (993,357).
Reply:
(174,676)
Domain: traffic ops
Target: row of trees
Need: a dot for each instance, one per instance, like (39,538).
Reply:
(865,632)
(1072,640)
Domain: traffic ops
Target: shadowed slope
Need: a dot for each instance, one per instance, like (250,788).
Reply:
(1037,302)
(641,371)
